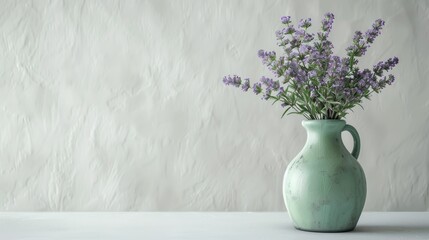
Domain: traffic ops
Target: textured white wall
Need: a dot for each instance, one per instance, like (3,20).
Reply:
(119,105)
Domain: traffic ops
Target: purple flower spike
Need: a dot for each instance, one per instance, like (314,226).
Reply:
(246,85)
(289,30)
(261,53)
(308,37)
(257,88)
(285,19)
(390,79)
(357,37)
(234,80)
(304,23)
(270,83)
(371,34)
(327,22)
(267,94)
(281,92)
(266,57)
(378,24)
(385,66)
(310,79)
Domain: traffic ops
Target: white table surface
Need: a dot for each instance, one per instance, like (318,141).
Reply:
(200,225)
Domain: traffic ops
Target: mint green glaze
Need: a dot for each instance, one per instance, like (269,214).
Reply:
(324,187)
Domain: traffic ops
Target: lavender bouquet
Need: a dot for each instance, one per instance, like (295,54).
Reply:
(310,79)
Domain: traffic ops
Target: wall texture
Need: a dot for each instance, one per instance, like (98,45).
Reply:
(119,105)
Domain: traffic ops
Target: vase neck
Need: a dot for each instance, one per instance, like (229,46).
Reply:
(324,130)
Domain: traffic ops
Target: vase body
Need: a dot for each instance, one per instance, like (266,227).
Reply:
(324,186)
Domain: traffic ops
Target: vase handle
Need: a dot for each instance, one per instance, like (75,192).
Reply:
(356,140)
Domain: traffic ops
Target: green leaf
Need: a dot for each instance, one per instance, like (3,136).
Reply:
(360,105)
(275,99)
(287,109)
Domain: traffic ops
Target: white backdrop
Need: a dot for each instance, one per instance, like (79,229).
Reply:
(119,105)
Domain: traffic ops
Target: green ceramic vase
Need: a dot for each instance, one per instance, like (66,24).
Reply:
(324,187)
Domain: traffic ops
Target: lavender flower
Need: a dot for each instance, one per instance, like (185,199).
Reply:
(305,49)
(266,57)
(281,91)
(327,23)
(234,80)
(361,42)
(371,34)
(312,74)
(285,19)
(257,88)
(390,79)
(385,66)
(267,94)
(357,37)
(299,35)
(314,82)
(304,23)
(308,37)
(270,83)
(246,85)
(289,30)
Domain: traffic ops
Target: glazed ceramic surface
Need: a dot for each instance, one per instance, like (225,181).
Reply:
(324,187)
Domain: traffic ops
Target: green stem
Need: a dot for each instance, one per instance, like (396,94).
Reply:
(352,62)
